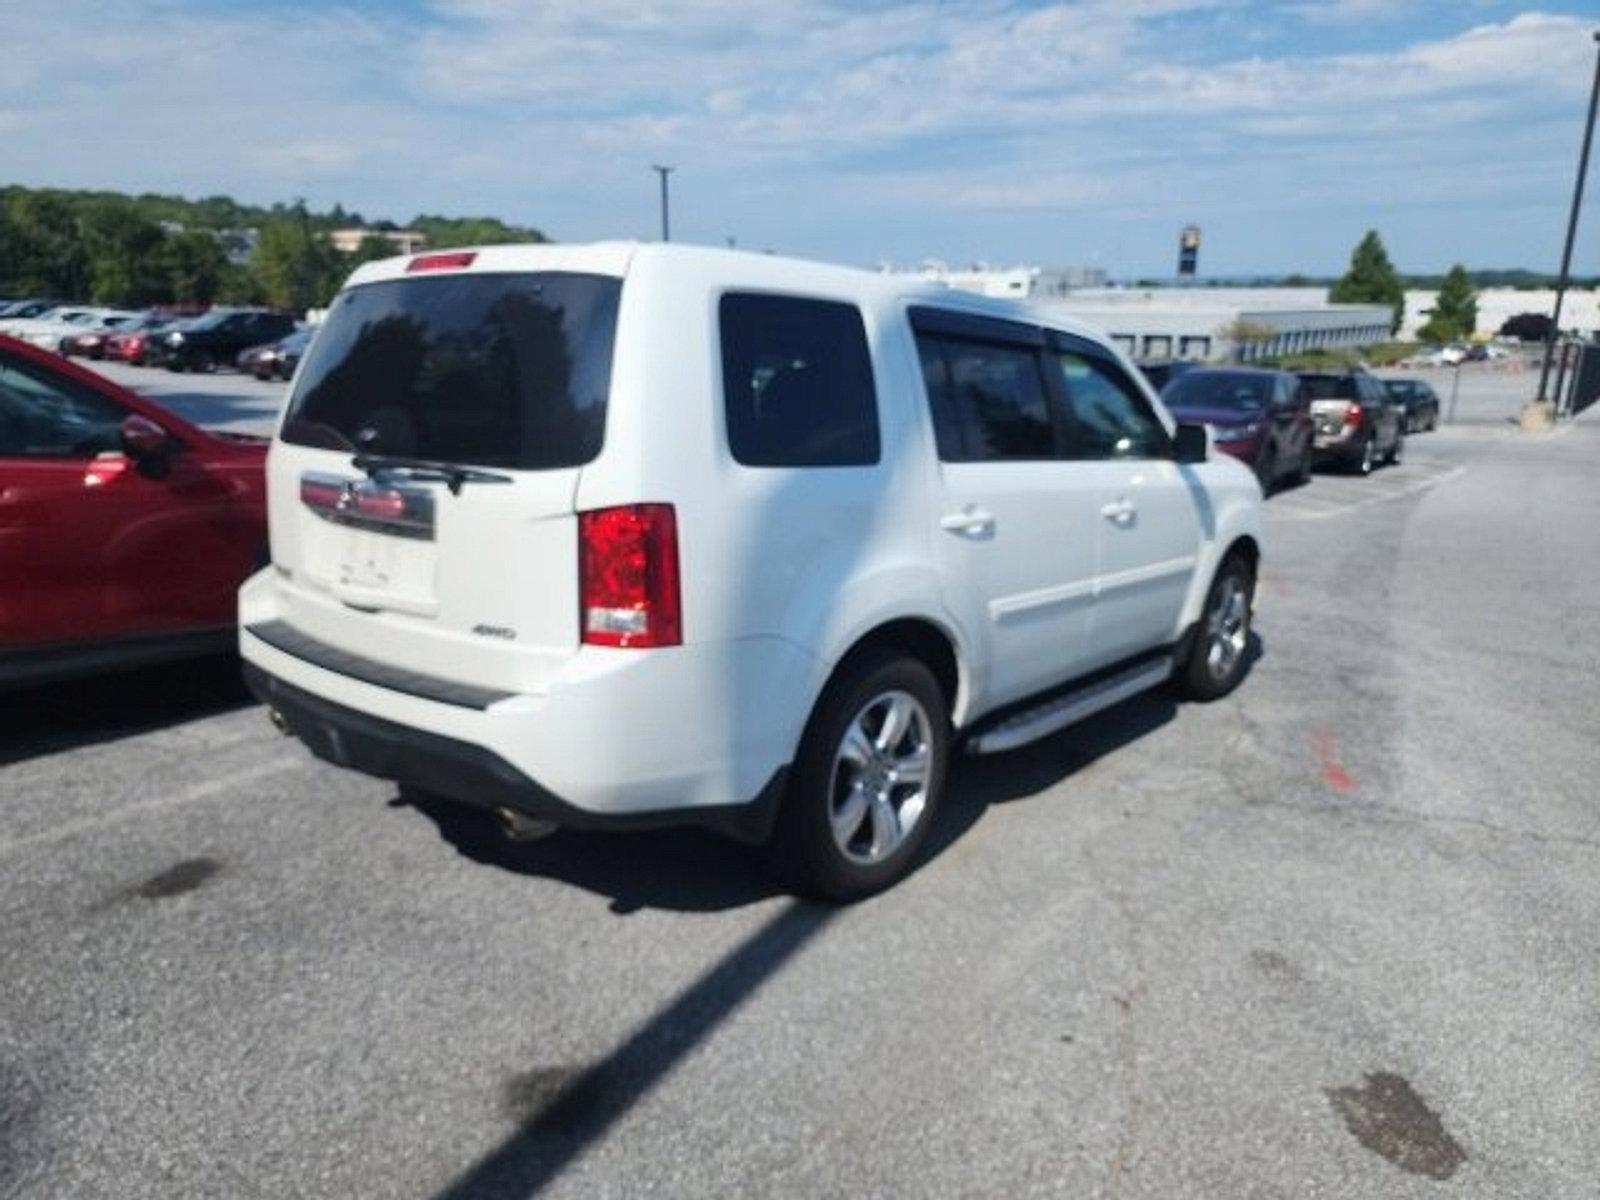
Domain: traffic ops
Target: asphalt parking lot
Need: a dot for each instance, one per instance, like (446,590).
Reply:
(1332,936)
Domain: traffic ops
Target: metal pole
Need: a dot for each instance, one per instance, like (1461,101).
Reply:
(666,233)
(1572,225)
(1561,377)
(1455,389)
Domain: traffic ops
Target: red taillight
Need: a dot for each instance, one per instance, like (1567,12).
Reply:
(1352,415)
(628,576)
(442,262)
(384,505)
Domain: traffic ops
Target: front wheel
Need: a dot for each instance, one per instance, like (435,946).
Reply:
(868,780)
(1215,661)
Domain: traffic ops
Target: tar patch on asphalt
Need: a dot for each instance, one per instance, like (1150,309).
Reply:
(1275,966)
(186,876)
(1390,1119)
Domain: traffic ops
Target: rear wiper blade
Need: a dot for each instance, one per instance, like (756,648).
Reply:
(449,474)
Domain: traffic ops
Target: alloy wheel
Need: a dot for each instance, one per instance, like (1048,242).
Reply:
(1227,626)
(879,784)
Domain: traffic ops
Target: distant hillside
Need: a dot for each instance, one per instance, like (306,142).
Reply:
(115,248)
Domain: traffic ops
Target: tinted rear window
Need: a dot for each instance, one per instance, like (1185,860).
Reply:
(1219,389)
(1330,387)
(797,382)
(498,370)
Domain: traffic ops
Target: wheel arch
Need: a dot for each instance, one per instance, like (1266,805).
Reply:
(920,637)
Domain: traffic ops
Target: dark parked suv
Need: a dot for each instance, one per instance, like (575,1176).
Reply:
(1358,424)
(217,337)
(1262,418)
(1420,400)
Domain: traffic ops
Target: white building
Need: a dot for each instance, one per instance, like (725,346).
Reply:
(1225,324)
(1203,323)
(1580,310)
(1017,283)
(404,241)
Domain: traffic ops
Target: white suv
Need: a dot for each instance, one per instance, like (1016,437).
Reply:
(622,536)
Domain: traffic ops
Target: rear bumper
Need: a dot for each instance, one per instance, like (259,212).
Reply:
(474,775)
(1339,446)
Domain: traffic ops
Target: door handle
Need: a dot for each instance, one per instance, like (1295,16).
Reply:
(971,519)
(1120,512)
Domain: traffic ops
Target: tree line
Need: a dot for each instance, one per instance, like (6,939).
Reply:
(133,251)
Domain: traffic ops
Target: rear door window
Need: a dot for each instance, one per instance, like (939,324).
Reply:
(797,382)
(987,399)
(507,370)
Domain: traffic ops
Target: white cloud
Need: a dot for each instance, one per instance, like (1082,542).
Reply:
(790,123)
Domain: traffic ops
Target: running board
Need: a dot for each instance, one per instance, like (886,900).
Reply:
(1058,712)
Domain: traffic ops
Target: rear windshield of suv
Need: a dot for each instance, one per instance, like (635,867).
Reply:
(1234,390)
(505,370)
(1330,387)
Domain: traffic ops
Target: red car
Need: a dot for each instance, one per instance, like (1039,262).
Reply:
(125,531)
(129,345)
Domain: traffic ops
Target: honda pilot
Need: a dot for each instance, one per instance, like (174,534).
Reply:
(618,536)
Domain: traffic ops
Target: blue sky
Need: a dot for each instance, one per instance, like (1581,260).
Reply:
(899,130)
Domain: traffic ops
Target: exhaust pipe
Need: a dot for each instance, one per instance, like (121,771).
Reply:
(278,721)
(518,827)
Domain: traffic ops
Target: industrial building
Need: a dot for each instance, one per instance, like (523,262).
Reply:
(1202,323)
(1580,310)
(1225,324)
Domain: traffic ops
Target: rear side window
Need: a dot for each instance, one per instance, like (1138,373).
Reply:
(797,382)
(987,399)
(499,370)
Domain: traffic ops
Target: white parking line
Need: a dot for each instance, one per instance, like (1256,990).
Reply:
(1373,490)
(211,789)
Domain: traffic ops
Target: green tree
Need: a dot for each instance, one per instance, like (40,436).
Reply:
(239,285)
(46,249)
(295,264)
(372,248)
(446,232)
(194,265)
(124,255)
(1455,309)
(1371,279)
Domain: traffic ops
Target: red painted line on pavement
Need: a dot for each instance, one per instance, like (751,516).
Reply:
(1333,774)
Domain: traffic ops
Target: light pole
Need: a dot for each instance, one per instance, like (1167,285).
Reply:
(1572,230)
(666,235)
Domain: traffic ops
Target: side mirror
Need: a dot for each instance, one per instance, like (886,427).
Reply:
(145,442)
(1191,444)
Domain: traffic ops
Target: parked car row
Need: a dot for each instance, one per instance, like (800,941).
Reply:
(1282,424)
(178,341)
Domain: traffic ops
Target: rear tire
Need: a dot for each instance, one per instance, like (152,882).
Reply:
(868,780)
(1369,456)
(1216,659)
